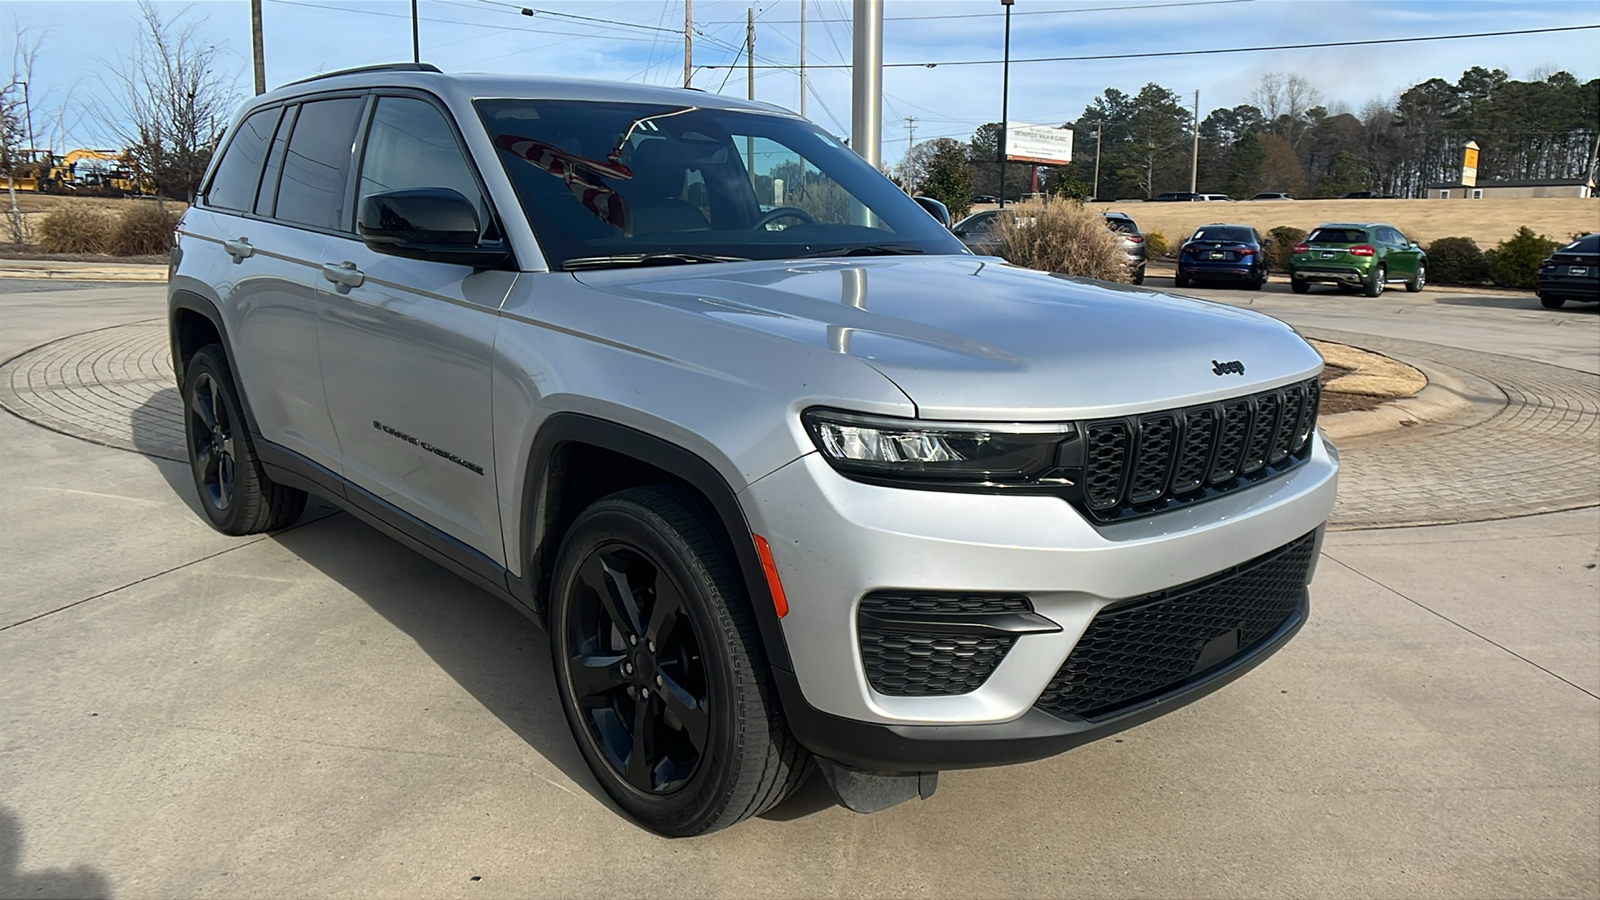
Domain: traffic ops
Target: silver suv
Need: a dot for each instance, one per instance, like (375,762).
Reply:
(786,473)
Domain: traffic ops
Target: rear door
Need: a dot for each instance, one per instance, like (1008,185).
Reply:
(406,343)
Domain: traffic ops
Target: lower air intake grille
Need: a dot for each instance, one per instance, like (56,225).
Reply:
(1144,647)
(913,660)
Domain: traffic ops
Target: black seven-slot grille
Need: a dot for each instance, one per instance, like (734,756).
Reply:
(1141,648)
(921,644)
(1137,465)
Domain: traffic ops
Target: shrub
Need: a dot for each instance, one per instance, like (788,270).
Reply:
(143,229)
(1456,260)
(1064,237)
(75,229)
(1283,238)
(1516,262)
(1156,245)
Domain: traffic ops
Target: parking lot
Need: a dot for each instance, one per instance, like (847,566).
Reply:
(323,712)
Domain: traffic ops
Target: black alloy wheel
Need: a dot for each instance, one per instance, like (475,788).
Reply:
(212,445)
(660,667)
(637,671)
(236,495)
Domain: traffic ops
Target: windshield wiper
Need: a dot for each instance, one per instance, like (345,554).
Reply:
(644,259)
(865,250)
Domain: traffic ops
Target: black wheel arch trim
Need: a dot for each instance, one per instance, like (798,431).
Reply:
(567,427)
(192,302)
(898,749)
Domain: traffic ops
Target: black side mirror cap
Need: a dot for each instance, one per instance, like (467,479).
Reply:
(435,224)
(935,208)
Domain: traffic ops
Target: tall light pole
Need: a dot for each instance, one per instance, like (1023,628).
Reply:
(416,41)
(1005,97)
(1097,127)
(866,94)
(802,59)
(1194,155)
(688,40)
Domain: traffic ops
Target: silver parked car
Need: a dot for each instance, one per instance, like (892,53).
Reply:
(786,473)
(980,233)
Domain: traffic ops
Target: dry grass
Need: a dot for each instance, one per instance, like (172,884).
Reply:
(36,207)
(1486,221)
(75,229)
(1062,236)
(143,230)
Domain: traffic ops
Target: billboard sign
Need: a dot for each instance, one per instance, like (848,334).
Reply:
(1038,144)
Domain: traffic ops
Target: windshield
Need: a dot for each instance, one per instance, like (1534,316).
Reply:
(1230,233)
(1338,236)
(617,183)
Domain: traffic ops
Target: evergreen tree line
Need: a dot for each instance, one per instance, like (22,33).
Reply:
(1286,139)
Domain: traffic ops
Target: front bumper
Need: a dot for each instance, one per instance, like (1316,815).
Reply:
(835,540)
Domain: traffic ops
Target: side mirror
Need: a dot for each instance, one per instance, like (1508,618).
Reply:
(436,224)
(1266,242)
(935,208)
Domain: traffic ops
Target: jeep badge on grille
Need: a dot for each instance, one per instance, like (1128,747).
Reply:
(1231,367)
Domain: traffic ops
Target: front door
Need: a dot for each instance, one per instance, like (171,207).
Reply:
(406,343)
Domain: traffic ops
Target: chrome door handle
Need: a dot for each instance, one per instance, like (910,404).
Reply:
(344,274)
(240,249)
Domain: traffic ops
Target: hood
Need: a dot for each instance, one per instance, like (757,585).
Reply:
(975,338)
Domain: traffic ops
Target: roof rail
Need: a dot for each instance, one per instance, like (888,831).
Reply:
(385,67)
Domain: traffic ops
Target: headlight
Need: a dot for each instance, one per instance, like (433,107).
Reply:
(974,453)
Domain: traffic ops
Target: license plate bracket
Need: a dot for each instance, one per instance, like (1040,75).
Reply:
(1577,270)
(1328,254)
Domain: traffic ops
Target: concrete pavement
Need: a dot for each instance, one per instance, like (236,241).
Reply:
(323,712)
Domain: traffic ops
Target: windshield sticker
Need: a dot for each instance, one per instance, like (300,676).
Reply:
(576,171)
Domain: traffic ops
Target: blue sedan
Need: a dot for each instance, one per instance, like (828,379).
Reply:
(1225,253)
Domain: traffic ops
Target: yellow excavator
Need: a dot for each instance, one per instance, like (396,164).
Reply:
(104,173)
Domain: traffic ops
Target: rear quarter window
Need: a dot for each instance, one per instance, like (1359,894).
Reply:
(239,172)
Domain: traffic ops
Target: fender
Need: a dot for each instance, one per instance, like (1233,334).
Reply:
(562,428)
(193,302)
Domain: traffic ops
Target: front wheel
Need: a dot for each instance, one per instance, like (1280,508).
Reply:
(1418,280)
(1374,286)
(660,666)
(237,496)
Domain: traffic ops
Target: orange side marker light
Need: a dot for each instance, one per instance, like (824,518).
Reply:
(779,601)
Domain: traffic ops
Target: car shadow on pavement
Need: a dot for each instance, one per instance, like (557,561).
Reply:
(1507,301)
(489,648)
(78,881)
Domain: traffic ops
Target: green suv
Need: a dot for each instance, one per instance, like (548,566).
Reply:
(1370,256)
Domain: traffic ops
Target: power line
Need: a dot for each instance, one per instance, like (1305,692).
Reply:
(535,12)
(1211,52)
(1035,12)
(388,15)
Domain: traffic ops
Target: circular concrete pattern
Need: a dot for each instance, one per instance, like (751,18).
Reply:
(1532,445)
(114,386)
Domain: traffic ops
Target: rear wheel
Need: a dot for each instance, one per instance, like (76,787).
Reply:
(1375,284)
(1300,286)
(1180,280)
(1260,282)
(1418,280)
(660,666)
(1138,275)
(235,493)
(1549,302)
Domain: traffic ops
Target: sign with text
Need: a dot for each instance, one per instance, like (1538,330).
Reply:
(1469,164)
(1038,144)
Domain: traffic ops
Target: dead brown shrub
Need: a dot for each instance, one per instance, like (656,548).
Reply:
(1062,236)
(143,229)
(75,229)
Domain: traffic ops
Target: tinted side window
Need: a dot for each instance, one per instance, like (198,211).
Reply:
(234,184)
(410,145)
(267,197)
(311,191)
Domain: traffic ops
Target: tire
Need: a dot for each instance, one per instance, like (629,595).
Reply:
(1299,286)
(1419,280)
(1375,285)
(1180,280)
(1549,302)
(237,496)
(1138,275)
(1259,283)
(703,657)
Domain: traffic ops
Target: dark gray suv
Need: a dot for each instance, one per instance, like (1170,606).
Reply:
(787,474)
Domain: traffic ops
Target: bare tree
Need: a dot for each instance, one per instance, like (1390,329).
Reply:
(174,103)
(1284,101)
(16,131)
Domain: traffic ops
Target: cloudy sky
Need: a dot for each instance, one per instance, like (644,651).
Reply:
(641,40)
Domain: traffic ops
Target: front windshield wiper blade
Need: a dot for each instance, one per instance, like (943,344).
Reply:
(865,250)
(644,259)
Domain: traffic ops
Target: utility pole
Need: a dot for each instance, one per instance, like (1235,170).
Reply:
(1097,128)
(688,38)
(802,59)
(911,138)
(750,51)
(256,45)
(1005,97)
(416,42)
(1194,156)
(866,95)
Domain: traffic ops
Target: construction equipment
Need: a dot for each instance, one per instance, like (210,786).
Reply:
(103,173)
